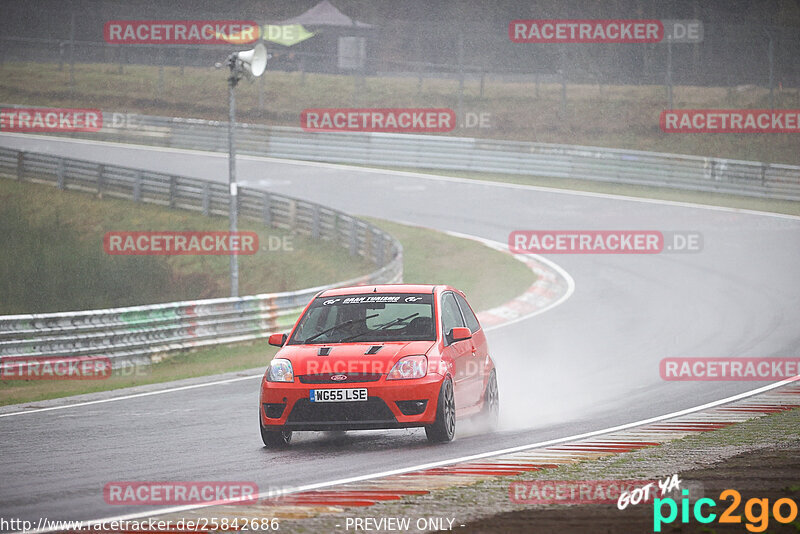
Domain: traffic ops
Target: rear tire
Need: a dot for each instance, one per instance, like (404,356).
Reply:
(275,439)
(443,428)
(490,414)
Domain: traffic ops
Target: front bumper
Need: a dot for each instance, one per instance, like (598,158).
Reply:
(287,405)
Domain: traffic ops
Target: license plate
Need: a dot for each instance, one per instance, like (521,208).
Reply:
(338,395)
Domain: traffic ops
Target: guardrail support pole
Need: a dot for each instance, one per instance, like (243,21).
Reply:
(206,199)
(101,169)
(20,165)
(173,189)
(379,249)
(369,244)
(137,186)
(60,174)
(353,238)
(335,228)
(292,213)
(315,222)
(266,209)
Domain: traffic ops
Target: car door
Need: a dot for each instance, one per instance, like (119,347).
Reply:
(459,351)
(478,354)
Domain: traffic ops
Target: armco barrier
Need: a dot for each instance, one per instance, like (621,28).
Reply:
(141,334)
(677,171)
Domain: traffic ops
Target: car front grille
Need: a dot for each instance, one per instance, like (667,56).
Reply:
(327,378)
(373,410)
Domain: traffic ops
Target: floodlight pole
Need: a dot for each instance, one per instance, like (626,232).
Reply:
(234,192)
(253,62)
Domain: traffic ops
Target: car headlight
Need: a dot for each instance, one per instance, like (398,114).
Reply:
(409,367)
(280,370)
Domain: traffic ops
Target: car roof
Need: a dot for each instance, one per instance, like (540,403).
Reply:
(381,288)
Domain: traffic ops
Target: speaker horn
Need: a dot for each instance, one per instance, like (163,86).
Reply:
(255,60)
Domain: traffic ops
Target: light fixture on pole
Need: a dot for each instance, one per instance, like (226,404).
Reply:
(253,63)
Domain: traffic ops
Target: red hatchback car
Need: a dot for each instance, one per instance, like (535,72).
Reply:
(387,356)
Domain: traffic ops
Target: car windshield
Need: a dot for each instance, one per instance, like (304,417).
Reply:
(367,318)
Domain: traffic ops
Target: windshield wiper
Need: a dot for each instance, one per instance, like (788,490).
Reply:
(334,327)
(382,327)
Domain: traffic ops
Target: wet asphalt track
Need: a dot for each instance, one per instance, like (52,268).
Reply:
(588,364)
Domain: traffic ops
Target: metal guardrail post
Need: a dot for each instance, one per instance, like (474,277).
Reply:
(379,249)
(20,166)
(137,186)
(335,228)
(173,189)
(266,209)
(369,244)
(60,174)
(100,178)
(315,222)
(353,238)
(292,213)
(206,199)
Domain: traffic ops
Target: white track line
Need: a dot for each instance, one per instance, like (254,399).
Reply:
(133,396)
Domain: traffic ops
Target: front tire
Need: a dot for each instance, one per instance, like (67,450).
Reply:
(275,439)
(443,428)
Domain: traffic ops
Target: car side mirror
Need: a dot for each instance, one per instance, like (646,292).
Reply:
(277,340)
(460,333)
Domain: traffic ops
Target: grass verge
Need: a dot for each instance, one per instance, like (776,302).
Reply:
(53,258)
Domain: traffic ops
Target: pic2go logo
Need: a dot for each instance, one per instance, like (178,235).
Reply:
(783,510)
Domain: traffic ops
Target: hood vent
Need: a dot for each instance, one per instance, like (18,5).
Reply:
(324,351)
(374,349)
